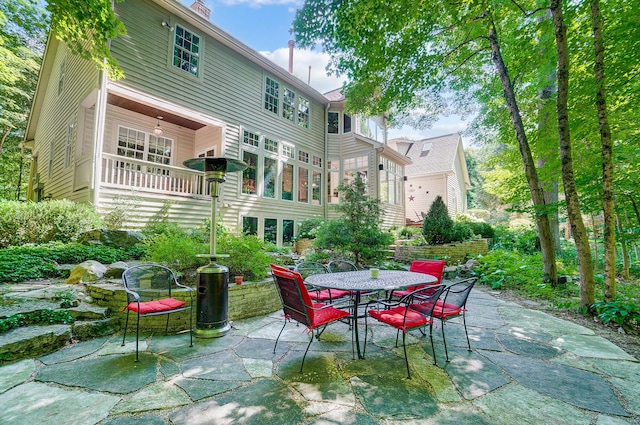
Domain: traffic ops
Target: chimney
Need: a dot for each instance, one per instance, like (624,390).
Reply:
(201,9)
(292,44)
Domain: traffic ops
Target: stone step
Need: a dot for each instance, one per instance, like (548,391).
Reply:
(32,341)
(86,311)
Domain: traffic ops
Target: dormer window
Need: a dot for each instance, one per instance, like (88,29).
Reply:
(186,50)
(425,149)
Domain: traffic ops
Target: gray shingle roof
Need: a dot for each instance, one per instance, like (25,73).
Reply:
(438,157)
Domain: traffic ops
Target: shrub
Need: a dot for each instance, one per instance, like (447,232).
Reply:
(408,232)
(522,240)
(309,227)
(175,248)
(39,261)
(623,312)
(483,229)
(247,256)
(40,222)
(437,225)
(461,232)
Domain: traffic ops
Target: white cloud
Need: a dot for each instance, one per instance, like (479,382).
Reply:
(302,59)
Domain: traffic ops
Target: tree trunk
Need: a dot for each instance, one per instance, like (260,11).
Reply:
(607,156)
(635,206)
(587,281)
(625,253)
(541,214)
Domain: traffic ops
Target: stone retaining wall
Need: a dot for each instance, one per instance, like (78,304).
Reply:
(246,300)
(454,253)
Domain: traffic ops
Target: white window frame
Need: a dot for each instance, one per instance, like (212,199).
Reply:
(146,141)
(190,52)
(69,143)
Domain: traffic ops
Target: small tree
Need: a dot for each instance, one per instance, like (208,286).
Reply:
(358,232)
(437,226)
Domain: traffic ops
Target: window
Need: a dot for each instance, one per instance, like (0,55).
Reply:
(282,100)
(316,188)
(144,146)
(288,105)
(207,152)
(287,151)
(250,174)
(52,152)
(303,185)
(287,232)
(346,123)
(303,156)
(271,95)
(69,143)
(270,174)
(356,166)
(333,180)
(250,225)
(270,145)
(317,161)
(303,112)
(251,139)
(186,50)
(390,181)
(271,230)
(287,182)
(332,122)
(62,71)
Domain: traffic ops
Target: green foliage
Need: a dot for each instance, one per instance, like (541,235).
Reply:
(408,232)
(461,232)
(437,226)
(35,318)
(309,227)
(124,208)
(625,313)
(40,222)
(39,261)
(483,229)
(248,256)
(176,248)
(522,240)
(357,235)
(87,28)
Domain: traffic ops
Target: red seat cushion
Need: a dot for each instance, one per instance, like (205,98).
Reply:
(325,315)
(156,306)
(396,317)
(449,310)
(328,295)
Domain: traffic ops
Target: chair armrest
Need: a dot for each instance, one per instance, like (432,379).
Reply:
(134,294)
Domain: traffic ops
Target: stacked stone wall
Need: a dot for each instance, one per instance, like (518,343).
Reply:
(454,253)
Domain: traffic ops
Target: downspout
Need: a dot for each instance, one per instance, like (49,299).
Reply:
(326,161)
(98,137)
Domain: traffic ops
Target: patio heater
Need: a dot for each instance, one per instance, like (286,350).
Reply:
(212,314)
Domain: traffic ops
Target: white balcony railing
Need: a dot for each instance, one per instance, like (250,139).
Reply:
(119,171)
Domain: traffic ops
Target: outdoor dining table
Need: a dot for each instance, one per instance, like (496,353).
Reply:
(361,281)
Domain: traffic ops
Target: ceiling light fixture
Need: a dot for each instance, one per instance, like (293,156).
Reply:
(158,130)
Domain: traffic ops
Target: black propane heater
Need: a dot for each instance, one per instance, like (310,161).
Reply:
(212,319)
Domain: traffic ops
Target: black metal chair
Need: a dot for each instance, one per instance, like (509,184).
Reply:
(341,266)
(308,268)
(149,289)
(413,311)
(297,305)
(453,303)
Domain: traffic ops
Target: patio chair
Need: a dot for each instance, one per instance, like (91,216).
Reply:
(413,311)
(149,290)
(452,303)
(307,268)
(335,266)
(297,305)
(432,267)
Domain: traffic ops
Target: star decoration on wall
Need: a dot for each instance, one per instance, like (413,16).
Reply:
(411,198)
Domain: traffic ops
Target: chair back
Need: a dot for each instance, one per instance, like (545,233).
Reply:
(308,268)
(293,293)
(424,299)
(341,266)
(456,295)
(150,280)
(432,267)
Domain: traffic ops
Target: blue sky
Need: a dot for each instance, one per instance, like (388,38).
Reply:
(264,25)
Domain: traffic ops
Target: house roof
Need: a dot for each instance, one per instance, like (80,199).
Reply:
(335,95)
(436,155)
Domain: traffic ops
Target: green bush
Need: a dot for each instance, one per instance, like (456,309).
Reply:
(41,222)
(522,240)
(623,312)
(437,225)
(39,261)
(408,232)
(176,248)
(248,256)
(482,229)
(309,227)
(461,232)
